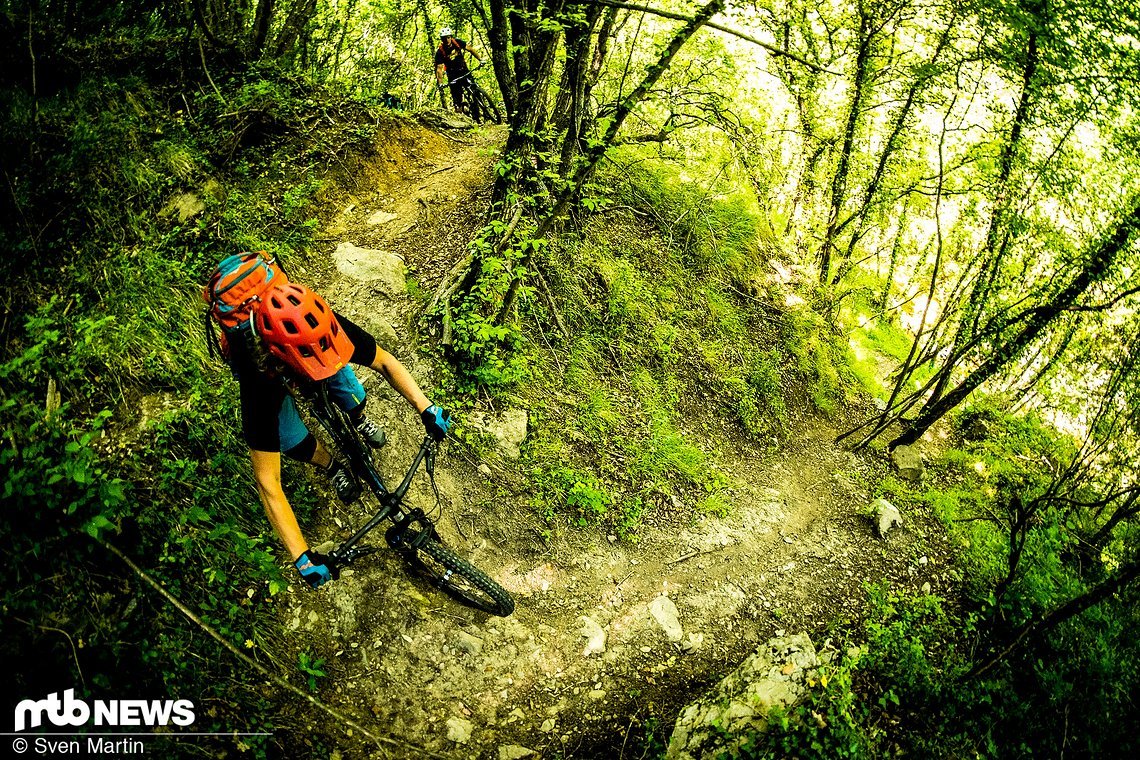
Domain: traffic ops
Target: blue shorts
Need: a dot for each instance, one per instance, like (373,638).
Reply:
(346,392)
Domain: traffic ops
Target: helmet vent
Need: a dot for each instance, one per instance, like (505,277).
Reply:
(312,320)
(290,327)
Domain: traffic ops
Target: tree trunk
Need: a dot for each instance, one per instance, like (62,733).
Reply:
(839,181)
(261,23)
(1037,628)
(1094,271)
(500,61)
(598,149)
(989,255)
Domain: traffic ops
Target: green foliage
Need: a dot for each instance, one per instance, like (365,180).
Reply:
(808,339)
(485,347)
(104,277)
(830,723)
(311,667)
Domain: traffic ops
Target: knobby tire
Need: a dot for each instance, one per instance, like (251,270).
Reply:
(482,107)
(459,579)
(490,108)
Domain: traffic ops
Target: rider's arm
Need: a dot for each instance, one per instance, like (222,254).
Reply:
(441,73)
(473,52)
(267,475)
(400,379)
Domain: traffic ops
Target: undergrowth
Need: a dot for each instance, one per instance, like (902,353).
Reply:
(128,190)
(926,676)
(664,342)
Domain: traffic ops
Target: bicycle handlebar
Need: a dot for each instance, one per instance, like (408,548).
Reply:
(465,75)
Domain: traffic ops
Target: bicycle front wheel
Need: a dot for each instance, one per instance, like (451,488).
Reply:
(459,579)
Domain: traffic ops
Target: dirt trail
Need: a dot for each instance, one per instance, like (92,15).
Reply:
(793,554)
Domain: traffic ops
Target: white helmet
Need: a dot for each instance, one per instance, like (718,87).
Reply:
(445,32)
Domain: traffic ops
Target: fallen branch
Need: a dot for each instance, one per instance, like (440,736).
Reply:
(696,553)
(450,282)
(277,680)
(548,298)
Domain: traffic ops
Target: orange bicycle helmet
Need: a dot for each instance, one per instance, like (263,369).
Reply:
(300,329)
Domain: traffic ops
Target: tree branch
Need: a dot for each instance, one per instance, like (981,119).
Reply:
(254,664)
(720,28)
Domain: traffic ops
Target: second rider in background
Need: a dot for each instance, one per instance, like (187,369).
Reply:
(451,66)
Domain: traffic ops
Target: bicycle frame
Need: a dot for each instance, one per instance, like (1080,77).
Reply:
(362,466)
(412,535)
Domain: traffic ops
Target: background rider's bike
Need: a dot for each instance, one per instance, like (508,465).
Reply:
(477,103)
(412,533)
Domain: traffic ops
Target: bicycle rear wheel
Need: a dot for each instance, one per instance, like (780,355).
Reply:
(458,578)
(487,106)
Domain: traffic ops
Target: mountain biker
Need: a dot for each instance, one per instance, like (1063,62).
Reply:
(451,66)
(310,343)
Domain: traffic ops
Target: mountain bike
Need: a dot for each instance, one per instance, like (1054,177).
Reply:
(412,534)
(477,103)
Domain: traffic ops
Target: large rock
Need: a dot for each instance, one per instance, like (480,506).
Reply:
(595,636)
(380,328)
(665,614)
(185,206)
(886,516)
(908,461)
(444,119)
(508,430)
(381,269)
(720,721)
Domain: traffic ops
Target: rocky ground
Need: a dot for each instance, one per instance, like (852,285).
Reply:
(607,637)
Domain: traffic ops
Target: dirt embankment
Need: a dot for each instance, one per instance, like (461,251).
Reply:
(605,634)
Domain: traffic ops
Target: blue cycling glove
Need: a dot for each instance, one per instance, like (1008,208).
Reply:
(437,421)
(316,568)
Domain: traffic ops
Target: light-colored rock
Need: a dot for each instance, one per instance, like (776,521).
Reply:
(185,206)
(665,614)
(508,430)
(459,730)
(740,704)
(382,217)
(595,636)
(380,329)
(886,516)
(445,119)
(383,270)
(547,726)
(465,642)
(514,752)
(908,461)
(484,470)
(693,642)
